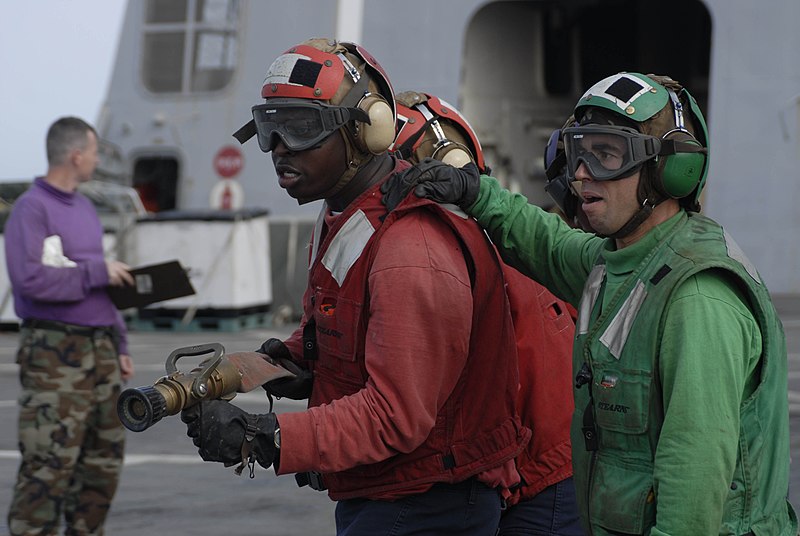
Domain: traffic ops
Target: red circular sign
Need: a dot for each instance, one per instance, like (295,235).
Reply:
(228,161)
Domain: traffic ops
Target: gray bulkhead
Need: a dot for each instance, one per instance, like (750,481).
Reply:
(513,67)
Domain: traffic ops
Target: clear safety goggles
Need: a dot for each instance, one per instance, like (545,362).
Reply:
(609,152)
(300,125)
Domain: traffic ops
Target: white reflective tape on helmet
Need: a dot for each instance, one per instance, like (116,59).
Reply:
(281,69)
(601,89)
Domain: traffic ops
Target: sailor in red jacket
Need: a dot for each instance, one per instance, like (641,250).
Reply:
(406,341)
(544,503)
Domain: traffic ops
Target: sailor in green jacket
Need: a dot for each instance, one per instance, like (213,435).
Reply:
(681,413)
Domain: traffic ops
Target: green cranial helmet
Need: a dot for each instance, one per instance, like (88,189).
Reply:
(633,96)
(660,107)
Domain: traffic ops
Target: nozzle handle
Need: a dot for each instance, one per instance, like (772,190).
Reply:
(198,349)
(199,388)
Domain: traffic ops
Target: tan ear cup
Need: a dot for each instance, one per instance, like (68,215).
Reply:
(456,157)
(377,136)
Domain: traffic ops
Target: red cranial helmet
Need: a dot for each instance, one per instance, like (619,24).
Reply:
(317,88)
(427,126)
(343,76)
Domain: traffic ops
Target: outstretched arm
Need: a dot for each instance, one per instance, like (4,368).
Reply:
(539,244)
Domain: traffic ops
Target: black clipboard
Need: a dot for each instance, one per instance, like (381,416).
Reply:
(153,283)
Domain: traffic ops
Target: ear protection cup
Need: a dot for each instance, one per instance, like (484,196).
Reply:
(681,172)
(378,135)
(449,143)
(455,156)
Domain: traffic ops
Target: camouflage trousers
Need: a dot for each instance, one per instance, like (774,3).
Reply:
(71,440)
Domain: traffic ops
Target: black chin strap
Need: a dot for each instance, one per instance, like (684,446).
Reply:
(636,220)
(649,196)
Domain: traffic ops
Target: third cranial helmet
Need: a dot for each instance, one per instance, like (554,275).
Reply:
(427,126)
(562,191)
(558,185)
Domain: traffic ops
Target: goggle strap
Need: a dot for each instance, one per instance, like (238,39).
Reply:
(649,145)
(247,131)
(357,114)
(336,117)
(669,147)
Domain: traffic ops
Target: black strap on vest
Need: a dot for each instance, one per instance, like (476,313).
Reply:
(310,351)
(660,274)
(312,479)
(589,430)
(584,377)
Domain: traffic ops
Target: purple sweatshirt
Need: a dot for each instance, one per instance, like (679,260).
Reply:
(76,295)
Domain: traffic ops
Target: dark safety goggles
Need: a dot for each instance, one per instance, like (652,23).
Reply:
(300,125)
(609,152)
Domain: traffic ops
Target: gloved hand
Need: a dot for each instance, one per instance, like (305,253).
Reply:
(297,388)
(435,180)
(225,433)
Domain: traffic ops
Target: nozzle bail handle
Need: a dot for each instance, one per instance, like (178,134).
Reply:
(199,383)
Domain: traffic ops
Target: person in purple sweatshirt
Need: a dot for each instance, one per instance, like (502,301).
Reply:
(73,353)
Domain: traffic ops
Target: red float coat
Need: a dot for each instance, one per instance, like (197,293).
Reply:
(415,377)
(544,332)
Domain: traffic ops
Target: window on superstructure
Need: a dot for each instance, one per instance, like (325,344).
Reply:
(189,46)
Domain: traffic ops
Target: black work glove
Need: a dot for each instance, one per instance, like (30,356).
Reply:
(435,180)
(225,433)
(297,388)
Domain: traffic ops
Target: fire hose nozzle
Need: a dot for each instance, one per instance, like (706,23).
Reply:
(216,377)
